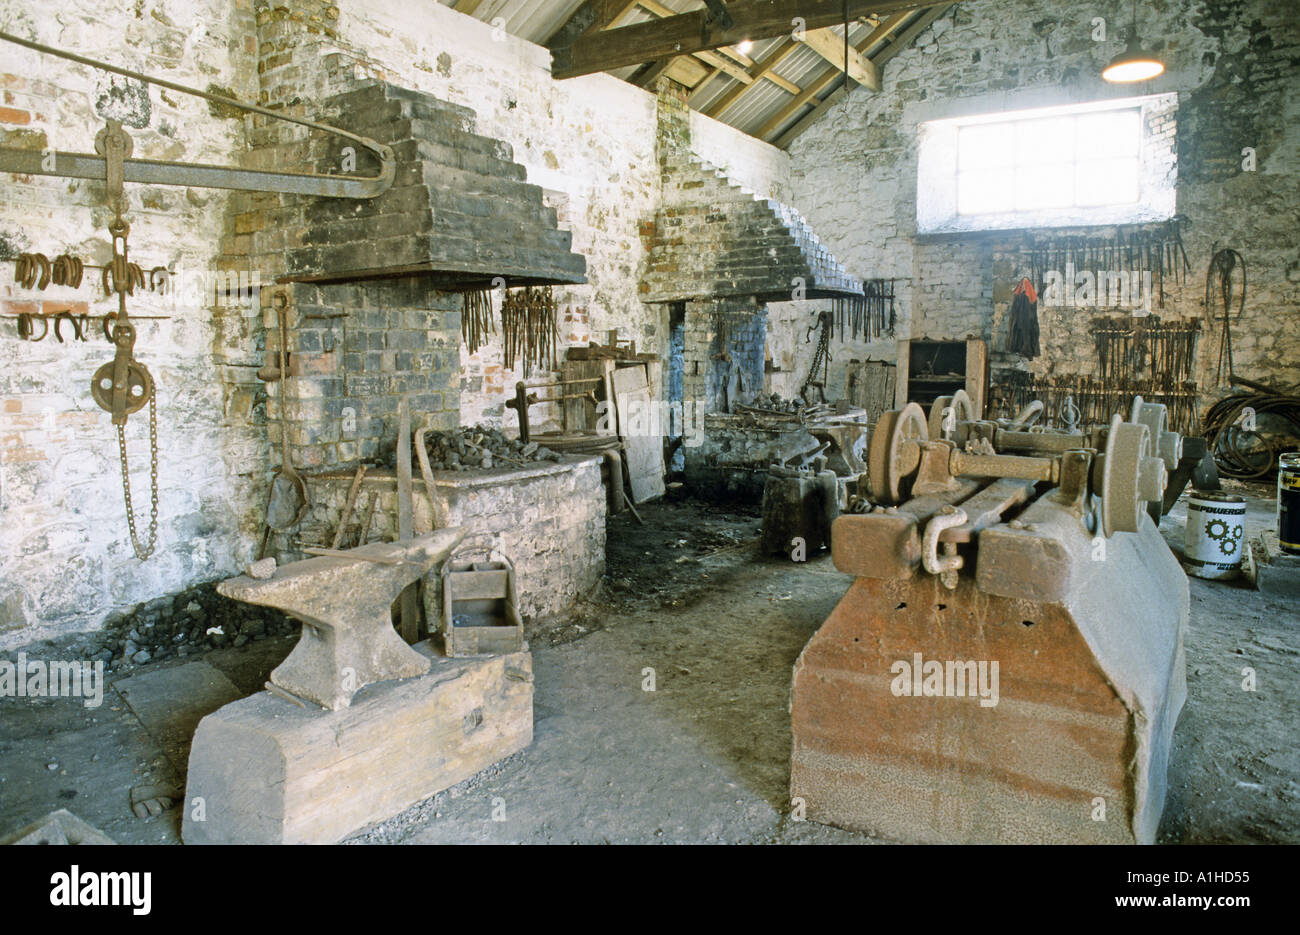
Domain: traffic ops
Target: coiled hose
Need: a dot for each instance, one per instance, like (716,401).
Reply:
(1240,451)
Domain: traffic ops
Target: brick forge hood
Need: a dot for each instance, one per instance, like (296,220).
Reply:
(460,212)
(713,239)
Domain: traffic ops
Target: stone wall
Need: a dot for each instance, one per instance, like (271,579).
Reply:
(549,519)
(65,559)
(1233,66)
(65,556)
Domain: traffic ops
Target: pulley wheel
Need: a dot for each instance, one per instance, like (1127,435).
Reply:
(1122,506)
(139,386)
(1166,445)
(963,410)
(963,406)
(889,464)
(935,422)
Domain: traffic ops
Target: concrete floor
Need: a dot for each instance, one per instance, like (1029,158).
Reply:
(704,757)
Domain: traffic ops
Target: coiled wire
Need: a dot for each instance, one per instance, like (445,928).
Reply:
(1243,452)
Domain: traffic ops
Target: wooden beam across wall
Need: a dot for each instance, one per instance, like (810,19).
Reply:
(896,45)
(687,33)
(830,46)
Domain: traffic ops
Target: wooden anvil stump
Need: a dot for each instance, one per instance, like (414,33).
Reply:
(345,605)
(263,770)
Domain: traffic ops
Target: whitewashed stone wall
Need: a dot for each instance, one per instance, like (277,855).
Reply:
(1232,65)
(65,557)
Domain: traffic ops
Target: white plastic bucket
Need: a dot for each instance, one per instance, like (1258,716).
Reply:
(1216,534)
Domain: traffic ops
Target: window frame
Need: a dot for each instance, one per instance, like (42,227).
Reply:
(939,171)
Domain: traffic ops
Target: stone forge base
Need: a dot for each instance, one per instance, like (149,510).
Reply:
(270,772)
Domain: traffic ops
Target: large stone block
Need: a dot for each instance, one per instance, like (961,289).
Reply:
(269,772)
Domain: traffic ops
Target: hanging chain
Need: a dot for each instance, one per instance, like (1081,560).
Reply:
(821,357)
(146,551)
(123,386)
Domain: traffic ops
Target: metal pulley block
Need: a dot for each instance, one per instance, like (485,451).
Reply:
(122,386)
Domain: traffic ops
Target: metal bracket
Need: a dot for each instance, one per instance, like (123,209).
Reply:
(197,175)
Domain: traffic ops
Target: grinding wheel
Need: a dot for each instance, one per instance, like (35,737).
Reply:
(889,461)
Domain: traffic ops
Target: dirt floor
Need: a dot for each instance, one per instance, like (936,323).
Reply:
(703,757)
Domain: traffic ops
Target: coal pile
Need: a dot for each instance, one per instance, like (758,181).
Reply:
(775,403)
(192,622)
(481,449)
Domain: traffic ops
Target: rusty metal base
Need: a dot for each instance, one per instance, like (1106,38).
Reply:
(1090,684)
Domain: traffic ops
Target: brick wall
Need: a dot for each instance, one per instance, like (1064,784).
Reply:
(359,348)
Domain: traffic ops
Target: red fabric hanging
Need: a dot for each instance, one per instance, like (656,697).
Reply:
(1026,288)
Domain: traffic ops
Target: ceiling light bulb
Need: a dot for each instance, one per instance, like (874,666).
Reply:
(745,47)
(1133,64)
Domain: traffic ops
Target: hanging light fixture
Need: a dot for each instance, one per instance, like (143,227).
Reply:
(1134,63)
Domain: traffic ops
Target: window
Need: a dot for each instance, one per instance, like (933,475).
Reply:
(1104,163)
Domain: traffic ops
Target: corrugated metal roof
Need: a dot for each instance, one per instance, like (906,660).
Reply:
(537,20)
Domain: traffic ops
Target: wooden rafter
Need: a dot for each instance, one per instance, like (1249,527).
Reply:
(726,60)
(763,69)
(897,44)
(831,47)
(688,33)
(591,16)
(826,78)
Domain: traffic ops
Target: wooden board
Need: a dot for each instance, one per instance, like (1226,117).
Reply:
(644,451)
(270,772)
(579,414)
(977,373)
(871,386)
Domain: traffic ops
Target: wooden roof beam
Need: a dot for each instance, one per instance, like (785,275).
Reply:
(899,42)
(830,46)
(687,33)
(592,16)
